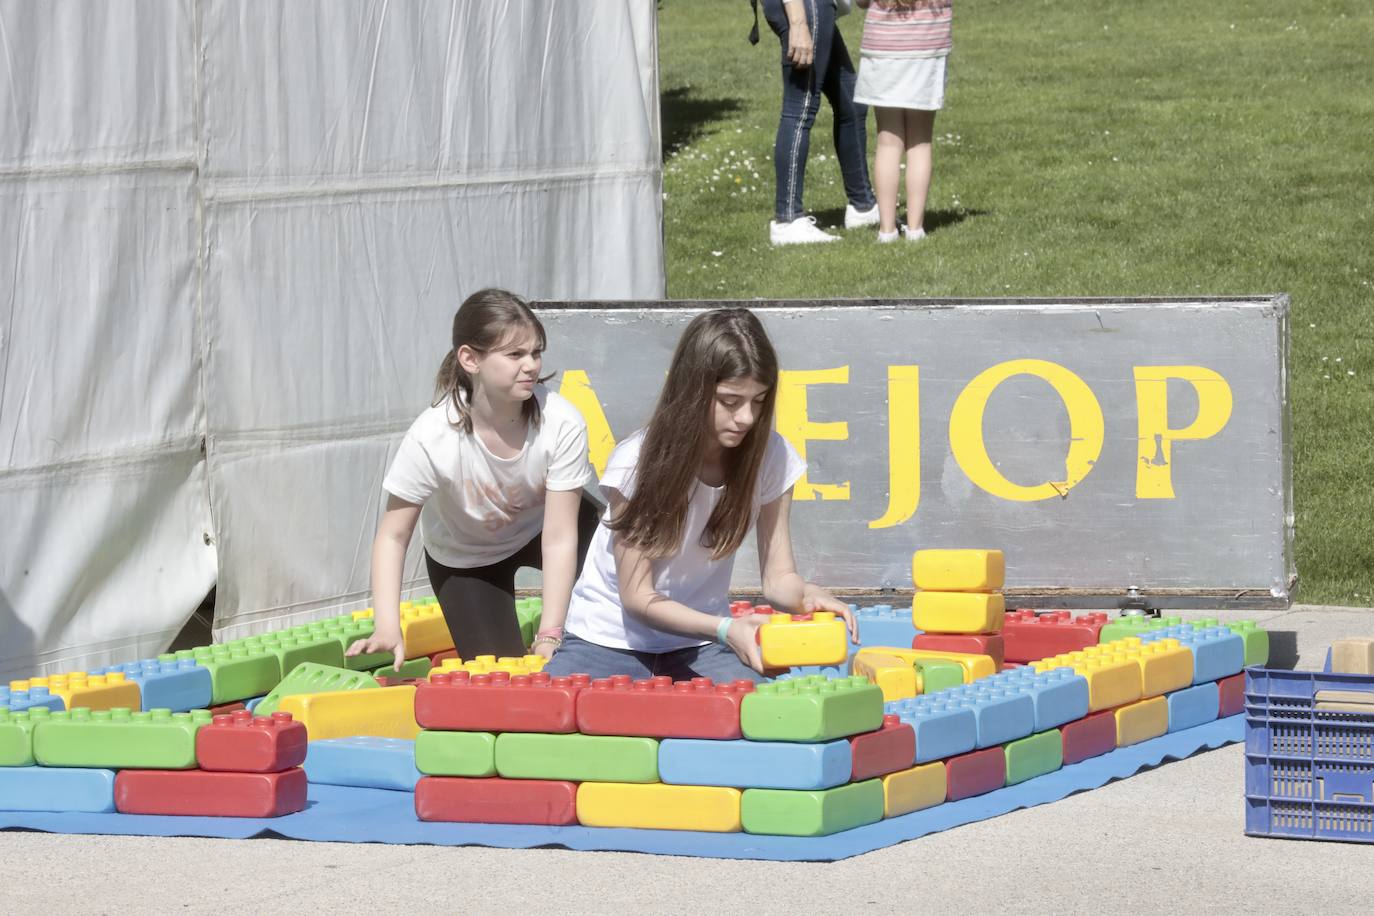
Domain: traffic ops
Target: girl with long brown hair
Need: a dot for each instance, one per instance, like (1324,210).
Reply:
(653,597)
(493,473)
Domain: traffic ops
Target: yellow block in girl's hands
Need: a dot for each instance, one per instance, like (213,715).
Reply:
(816,639)
(958,570)
(958,612)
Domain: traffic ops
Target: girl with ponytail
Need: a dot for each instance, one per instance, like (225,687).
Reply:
(493,473)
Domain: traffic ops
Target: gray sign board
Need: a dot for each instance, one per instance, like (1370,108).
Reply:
(1120,452)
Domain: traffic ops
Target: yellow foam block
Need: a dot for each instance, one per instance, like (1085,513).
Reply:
(911,790)
(975,666)
(896,677)
(1142,721)
(1165,666)
(387,712)
(424,630)
(787,641)
(958,570)
(94,691)
(487,664)
(958,612)
(655,806)
(1114,679)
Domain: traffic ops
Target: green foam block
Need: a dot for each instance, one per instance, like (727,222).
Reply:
(158,739)
(811,709)
(576,758)
(311,678)
(236,672)
(455,753)
(1033,756)
(785,812)
(937,675)
(415,667)
(16,735)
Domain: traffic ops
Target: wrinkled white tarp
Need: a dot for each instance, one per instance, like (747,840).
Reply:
(232,238)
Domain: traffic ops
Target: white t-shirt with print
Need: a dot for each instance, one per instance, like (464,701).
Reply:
(688,577)
(478,508)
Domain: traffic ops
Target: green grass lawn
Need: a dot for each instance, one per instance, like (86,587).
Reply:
(1089,148)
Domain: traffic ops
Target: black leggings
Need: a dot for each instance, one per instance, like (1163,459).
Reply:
(479,603)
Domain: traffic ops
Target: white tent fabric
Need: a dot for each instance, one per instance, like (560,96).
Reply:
(232,238)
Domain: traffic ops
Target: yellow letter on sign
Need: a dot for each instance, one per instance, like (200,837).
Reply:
(1085,429)
(1154,475)
(903,445)
(577,388)
(794,426)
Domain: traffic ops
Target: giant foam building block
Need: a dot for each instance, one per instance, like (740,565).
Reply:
(16,735)
(1113,678)
(201,793)
(884,625)
(576,758)
(19,695)
(1003,712)
(1217,652)
(895,677)
(887,750)
(292,648)
(528,612)
(958,612)
(445,753)
(989,644)
(1134,625)
(348,629)
(246,743)
(1091,736)
(958,570)
(934,675)
(309,677)
(787,640)
(1059,694)
(235,672)
(1034,756)
(1141,721)
(920,787)
(1192,706)
(655,806)
(423,629)
(414,668)
(497,702)
(811,709)
(167,682)
(41,788)
(1028,637)
(93,691)
(942,729)
(491,664)
(363,761)
(1256,641)
(1165,664)
(659,708)
(976,772)
(387,712)
(782,812)
(496,801)
(1231,695)
(755,764)
(975,666)
(115,739)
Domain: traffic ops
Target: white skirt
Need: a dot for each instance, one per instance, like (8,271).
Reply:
(902,82)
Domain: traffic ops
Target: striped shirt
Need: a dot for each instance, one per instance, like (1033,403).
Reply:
(922,30)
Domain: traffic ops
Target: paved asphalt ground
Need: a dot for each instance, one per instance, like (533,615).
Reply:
(1169,839)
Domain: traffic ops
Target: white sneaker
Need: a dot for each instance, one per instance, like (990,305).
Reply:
(801,231)
(886,237)
(913,236)
(857,219)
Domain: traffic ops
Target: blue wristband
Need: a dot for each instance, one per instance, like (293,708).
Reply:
(722,629)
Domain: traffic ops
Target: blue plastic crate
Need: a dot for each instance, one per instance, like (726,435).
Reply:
(1309,772)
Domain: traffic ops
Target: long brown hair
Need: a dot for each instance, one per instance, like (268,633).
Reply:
(485,320)
(717,346)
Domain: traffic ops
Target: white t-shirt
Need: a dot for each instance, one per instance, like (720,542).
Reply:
(478,508)
(688,577)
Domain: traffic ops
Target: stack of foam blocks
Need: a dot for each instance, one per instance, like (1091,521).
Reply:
(958,605)
(151,762)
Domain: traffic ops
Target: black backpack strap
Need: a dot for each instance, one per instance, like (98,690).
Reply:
(754,32)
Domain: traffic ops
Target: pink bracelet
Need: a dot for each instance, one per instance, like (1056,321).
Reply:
(550,631)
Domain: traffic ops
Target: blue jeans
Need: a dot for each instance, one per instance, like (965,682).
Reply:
(720,664)
(831,74)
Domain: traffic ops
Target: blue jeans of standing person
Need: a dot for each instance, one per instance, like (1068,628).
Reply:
(719,663)
(831,75)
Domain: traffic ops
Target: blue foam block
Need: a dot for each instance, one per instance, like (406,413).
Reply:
(19,700)
(56,789)
(1217,652)
(370,763)
(884,625)
(754,764)
(252,703)
(1193,706)
(178,685)
(941,730)
(1060,695)
(340,813)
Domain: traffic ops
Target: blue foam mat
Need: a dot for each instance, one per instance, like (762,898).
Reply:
(345,814)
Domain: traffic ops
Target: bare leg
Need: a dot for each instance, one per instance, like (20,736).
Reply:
(887,162)
(919,126)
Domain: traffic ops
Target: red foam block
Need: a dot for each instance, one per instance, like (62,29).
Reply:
(1028,637)
(887,750)
(497,702)
(1090,736)
(438,657)
(245,743)
(974,643)
(202,793)
(227,708)
(496,801)
(976,772)
(660,708)
(1232,700)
